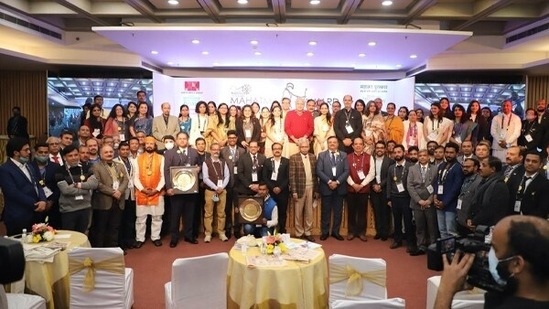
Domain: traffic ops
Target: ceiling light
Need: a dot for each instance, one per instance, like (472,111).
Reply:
(205,52)
(362,55)
(314,2)
(173,2)
(307,64)
(195,41)
(312,43)
(310,54)
(398,65)
(413,56)
(254,42)
(372,43)
(215,64)
(154,52)
(257,53)
(242,1)
(387,3)
(170,63)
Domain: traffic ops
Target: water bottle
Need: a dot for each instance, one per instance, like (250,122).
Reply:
(24,236)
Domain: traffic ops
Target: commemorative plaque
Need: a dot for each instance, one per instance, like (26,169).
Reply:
(250,209)
(184,179)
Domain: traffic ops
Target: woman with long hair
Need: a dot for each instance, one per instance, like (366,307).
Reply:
(275,130)
(247,127)
(263,120)
(117,123)
(323,128)
(445,110)
(256,109)
(185,120)
(95,122)
(482,130)
(275,103)
(212,108)
(436,127)
(373,127)
(143,122)
(403,113)
(360,106)
(413,132)
(218,126)
(199,122)
(463,127)
(131,110)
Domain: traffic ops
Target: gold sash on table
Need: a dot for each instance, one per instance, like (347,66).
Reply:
(113,265)
(354,278)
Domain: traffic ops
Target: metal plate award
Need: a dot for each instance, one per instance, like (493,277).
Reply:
(184,179)
(250,209)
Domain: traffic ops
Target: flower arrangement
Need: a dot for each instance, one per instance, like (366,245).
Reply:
(40,232)
(274,244)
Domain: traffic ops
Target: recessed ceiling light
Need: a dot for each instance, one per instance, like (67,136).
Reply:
(154,52)
(215,63)
(314,2)
(398,65)
(372,43)
(195,41)
(173,2)
(307,64)
(312,43)
(257,53)
(413,56)
(205,52)
(254,42)
(362,55)
(242,1)
(387,3)
(170,63)
(310,54)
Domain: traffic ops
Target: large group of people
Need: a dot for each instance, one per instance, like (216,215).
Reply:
(426,176)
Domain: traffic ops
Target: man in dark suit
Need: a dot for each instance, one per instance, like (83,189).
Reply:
(200,146)
(230,154)
(347,125)
(378,194)
(17,124)
(543,121)
(24,198)
(332,170)
(276,176)
(532,196)
(181,204)
(250,170)
(45,170)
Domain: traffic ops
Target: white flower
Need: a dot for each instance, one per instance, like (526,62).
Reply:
(48,236)
(29,239)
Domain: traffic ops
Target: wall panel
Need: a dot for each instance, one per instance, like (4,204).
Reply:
(537,87)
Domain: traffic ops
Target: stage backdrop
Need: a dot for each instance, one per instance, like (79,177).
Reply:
(241,91)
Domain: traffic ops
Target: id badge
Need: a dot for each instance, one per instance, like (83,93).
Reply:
(115,185)
(96,132)
(430,189)
(400,187)
(220,183)
(334,169)
(458,139)
(325,128)
(517,206)
(361,174)
(440,189)
(47,192)
(248,133)
(274,176)
(235,170)
(349,129)
(79,197)
(254,177)
(122,137)
(528,138)
(459,203)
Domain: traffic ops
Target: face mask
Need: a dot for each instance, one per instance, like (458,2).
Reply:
(41,159)
(115,146)
(23,160)
(169,145)
(499,274)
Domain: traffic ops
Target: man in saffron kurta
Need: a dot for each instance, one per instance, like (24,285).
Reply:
(148,182)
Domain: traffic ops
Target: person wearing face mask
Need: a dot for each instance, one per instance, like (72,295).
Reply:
(169,143)
(531,133)
(24,199)
(45,170)
(517,261)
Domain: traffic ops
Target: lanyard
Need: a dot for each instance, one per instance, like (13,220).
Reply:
(215,170)
(433,124)
(401,174)
(444,173)
(204,126)
(348,115)
(112,170)
(82,178)
(503,119)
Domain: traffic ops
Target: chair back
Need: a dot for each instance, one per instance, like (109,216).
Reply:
(97,278)
(200,282)
(392,303)
(473,298)
(354,278)
(467,304)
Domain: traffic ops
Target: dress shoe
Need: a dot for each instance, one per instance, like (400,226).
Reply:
(337,236)
(417,252)
(157,242)
(173,244)
(223,238)
(377,236)
(309,238)
(237,235)
(410,249)
(383,238)
(228,234)
(207,238)
(323,236)
(191,241)
(363,237)
(138,244)
(350,237)
(395,245)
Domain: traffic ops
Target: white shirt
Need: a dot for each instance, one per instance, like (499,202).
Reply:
(378,163)
(23,168)
(59,160)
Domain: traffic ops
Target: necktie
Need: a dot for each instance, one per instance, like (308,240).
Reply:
(255,161)
(184,152)
(423,173)
(56,159)
(333,158)
(508,171)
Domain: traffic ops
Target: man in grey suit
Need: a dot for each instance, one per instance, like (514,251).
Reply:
(230,154)
(181,204)
(163,125)
(419,185)
(332,169)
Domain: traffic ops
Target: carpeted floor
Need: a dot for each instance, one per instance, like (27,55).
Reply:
(406,275)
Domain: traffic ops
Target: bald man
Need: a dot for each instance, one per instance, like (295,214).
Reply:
(164,124)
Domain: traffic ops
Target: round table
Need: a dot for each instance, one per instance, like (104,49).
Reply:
(295,285)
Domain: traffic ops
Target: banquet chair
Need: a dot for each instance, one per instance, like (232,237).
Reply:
(354,278)
(473,299)
(391,303)
(198,282)
(20,301)
(111,286)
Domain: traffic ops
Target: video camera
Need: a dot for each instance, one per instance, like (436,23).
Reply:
(479,274)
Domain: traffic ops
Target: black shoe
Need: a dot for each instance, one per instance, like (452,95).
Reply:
(395,245)
(309,238)
(417,252)
(323,236)
(138,244)
(157,242)
(412,248)
(377,236)
(237,235)
(191,241)
(383,238)
(337,236)
(173,244)
(228,234)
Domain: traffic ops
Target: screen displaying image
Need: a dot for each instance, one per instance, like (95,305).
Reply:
(489,95)
(67,95)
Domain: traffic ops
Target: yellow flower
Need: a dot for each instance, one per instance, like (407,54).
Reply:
(270,249)
(36,238)
(282,247)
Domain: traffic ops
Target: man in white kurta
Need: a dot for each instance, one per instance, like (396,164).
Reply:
(505,130)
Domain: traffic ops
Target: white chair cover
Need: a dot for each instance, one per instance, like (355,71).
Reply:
(465,299)
(370,273)
(198,282)
(113,288)
(20,301)
(392,303)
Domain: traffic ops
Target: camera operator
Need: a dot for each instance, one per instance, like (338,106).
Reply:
(517,261)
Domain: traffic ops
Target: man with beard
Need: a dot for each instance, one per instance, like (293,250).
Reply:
(412,154)
(378,195)
(438,155)
(149,183)
(431,146)
(83,154)
(532,195)
(419,185)
(83,135)
(45,170)
(93,149)
(513,168)
(466,152)
(517,261)
(127,223)
(276,176)
(467,193)
(347,125)
(336,107)
(446,190)
(543,121)
(491,196)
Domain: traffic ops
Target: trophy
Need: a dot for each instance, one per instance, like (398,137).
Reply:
(184,179)
(250,209)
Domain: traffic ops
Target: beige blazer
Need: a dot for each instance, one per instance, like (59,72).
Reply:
(161,129)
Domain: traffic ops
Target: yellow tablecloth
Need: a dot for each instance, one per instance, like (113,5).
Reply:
(296,285)
(52,280)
